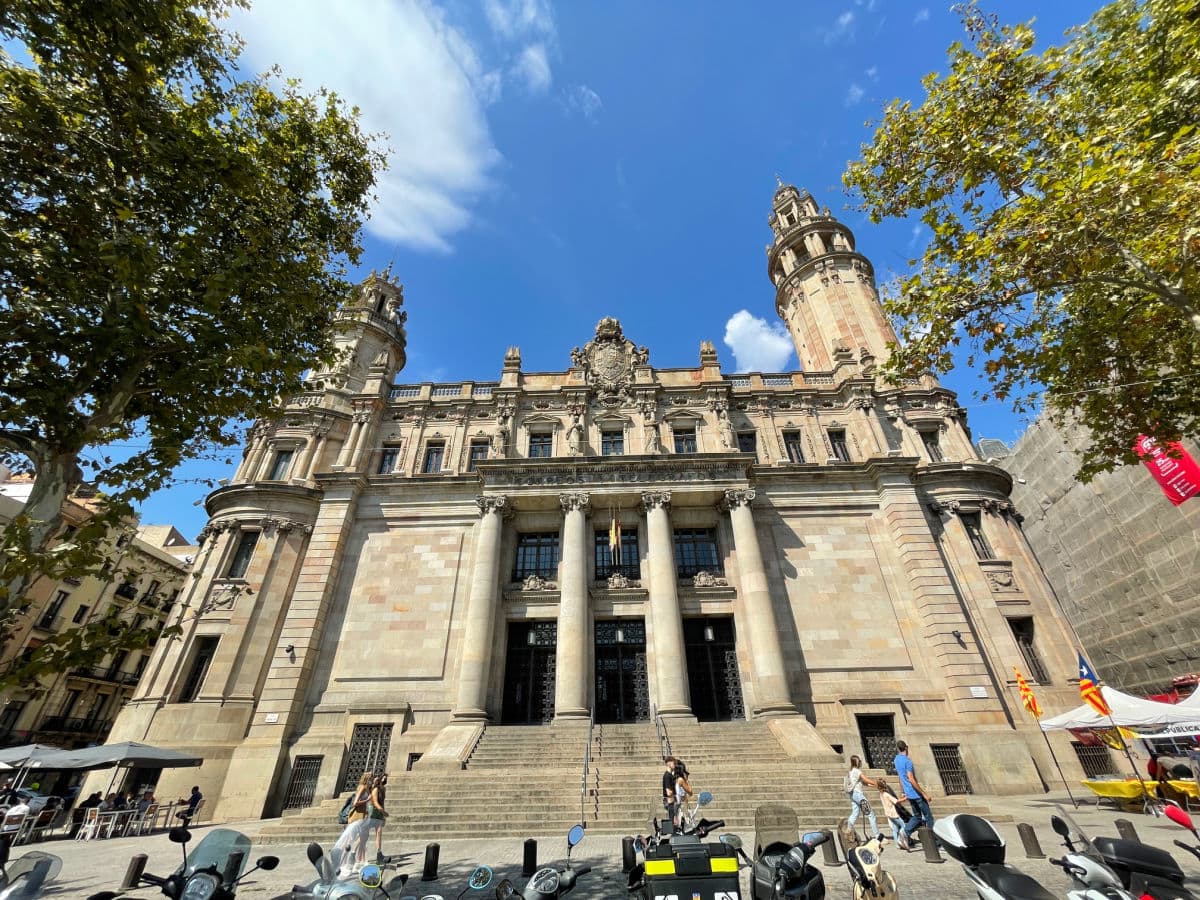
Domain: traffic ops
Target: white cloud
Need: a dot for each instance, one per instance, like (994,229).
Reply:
(921,16)
(854,94)
(842,28)
(518,19)
(415,79)
(872,72)
(758,345)
(584,100)
(533,68)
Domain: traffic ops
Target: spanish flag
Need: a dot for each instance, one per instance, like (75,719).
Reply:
(1027,699)
(614,539)
(1089,688)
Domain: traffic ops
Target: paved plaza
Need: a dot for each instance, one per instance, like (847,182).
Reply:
(98,865)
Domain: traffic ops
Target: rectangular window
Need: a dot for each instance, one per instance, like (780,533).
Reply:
(973,523)
(151,592)
(241,556)
(932,448)
(696,551)
(202,656)
(537,554)
(477,453)
(51,613)
(626,562)
(435,451)
(80,615)
(793,445)
(747,442)
(612,443)
(685,440)
(1022,631)
(387,460)
(279,468)
(837,444)
(541,445)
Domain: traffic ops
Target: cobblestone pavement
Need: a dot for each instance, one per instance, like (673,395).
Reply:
(98,865)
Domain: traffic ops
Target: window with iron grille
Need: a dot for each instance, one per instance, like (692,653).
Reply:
(434,453)
(202,655)
(793,444)
(541,445)
(280,466)
(685,440)
(52,611)
(80,614)
(837,444)
(242,554)
(303,784)
(387,459)
(151,593)
(627,561)
(1022,631)
(929,437)
(537,554)
(612,443)
(951,769)
(696,551)
(747,442)
(973,523)
(1095,760)
(476,454)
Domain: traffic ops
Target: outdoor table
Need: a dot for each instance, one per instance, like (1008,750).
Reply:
(112,820)
(1126,792)
(1188,788)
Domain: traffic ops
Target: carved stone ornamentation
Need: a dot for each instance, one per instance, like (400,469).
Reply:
(938,507)
(575,500)
(617,581)
(1002,581)
(608,361)
(496,504)
(739,498)
(536,583)
(656,499)
(708,579)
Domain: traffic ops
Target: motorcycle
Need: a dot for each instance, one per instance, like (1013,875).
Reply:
(549,881)
(365,884)
(781,870)
(975,843)
(1140,869)
(1091,879)
(865,863)
(26,878)
(689,825)
(212,871)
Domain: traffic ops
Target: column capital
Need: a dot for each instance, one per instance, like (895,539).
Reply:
(496,504)
(734,499)
(575,500)
(656,499)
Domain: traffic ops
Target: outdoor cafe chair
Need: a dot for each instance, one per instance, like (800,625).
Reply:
(90,825)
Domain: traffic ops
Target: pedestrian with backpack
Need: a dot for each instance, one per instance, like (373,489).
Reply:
(852,784)
(355,818)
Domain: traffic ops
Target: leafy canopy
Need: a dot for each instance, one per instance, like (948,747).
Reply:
(173,243)
(1062,190)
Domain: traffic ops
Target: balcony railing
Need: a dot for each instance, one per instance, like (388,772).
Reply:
(48,623)
(75,725)
(127,590)
(100,673)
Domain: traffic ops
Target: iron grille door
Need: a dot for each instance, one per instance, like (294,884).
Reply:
(303,785)
(622,689)
(1095,759)
(529,673)
(368,752)
(878,733)
(950,767)
(714,682)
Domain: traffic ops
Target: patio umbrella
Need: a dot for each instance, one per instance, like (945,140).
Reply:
(26,757)
(127,754)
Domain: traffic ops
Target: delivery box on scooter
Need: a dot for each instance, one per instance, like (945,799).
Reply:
(692,870)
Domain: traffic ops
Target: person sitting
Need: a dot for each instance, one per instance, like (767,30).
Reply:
(193,802)
(13,817)
(146,802)
(93,800)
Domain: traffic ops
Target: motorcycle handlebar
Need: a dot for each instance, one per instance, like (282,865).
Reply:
(1195,851)
(583,870)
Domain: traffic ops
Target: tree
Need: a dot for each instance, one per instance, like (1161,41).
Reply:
(1062,191)
(173,244)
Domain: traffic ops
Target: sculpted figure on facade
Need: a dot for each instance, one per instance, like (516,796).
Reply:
(575,438)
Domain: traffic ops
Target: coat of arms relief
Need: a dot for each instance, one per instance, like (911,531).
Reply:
(608,362)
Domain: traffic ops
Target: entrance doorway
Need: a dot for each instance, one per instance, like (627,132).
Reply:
(712,668)
(622,689)
(878,735)
(529,673)
(369,746)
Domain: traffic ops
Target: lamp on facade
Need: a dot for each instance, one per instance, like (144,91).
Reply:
(709,634)
(620,635)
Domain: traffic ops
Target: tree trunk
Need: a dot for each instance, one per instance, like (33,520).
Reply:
(56,476)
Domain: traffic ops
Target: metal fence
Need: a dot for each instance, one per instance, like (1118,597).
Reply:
(951,769)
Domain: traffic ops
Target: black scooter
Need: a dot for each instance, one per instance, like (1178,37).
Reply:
(549,881)
(1141,868)
(26,878)
(781,871)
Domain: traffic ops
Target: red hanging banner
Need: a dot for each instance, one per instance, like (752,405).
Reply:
(1174,469)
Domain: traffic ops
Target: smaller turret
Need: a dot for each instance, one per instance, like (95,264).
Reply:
(370,337)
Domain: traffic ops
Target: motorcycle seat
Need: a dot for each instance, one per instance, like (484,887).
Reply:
(1011,883)
(1132,856)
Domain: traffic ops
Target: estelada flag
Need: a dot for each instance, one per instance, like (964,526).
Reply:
(1027,699)
(1089,688)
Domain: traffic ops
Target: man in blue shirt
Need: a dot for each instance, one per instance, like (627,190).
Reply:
(913,792)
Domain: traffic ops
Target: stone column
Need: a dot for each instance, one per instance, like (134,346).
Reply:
(366,434)
(670,663)
(315,460)
(305,465)
(570,681)
(771,694)
(481,613)
(348,447)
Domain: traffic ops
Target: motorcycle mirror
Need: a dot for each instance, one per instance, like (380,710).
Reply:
(104,895)
(731,840)
(1179,817)
(371,876)
(267,863)
(480,878)
(505,889)
(574,836)
(705,798)
(314,852)
(179,835)
(1060,827)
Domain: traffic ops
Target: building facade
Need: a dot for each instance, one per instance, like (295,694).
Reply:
(141,579)
(394,565)
(1124,561)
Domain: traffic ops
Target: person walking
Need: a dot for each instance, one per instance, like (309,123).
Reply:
(356,821)
(670,804)
(683,791)
(890,804)
(376,815)
(855,779)
(381,796)
(913,792)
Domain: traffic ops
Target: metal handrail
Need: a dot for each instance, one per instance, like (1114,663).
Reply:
(660,728)
(587,764)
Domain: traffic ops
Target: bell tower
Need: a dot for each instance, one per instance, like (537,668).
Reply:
(824,289)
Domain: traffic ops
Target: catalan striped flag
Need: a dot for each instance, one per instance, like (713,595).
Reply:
(1027,699)
(1089,688)
(614,539)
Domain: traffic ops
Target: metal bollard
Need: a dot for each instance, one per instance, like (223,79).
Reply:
(1126,830)
(133,874)
(1033,850)
(529,861)
(829,848)
(432,851)
(233,866)
(628,854)
(929,845)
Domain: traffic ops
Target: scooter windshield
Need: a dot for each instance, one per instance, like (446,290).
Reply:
(1077,832)
(214,850)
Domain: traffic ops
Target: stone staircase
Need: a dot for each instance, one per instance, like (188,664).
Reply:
(525,780)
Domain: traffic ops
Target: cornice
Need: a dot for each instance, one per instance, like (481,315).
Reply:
(699,468)
(258,493)
(950,480)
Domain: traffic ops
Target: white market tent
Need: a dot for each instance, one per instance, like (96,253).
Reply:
(1131,712)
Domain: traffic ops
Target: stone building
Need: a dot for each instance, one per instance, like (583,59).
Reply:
(1123,560)
(395,565)
(141,579)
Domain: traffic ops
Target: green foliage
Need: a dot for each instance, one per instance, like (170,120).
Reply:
(173,243)
(1062,191)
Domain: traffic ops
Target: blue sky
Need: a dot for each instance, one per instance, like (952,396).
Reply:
(556,163)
